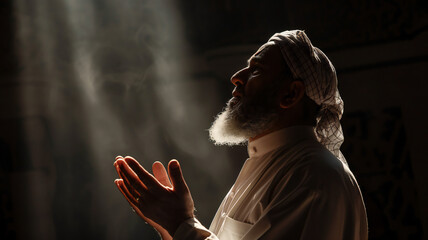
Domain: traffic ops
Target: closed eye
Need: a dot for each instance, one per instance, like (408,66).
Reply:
(255,71)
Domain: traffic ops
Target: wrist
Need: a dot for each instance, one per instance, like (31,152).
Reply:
(173,228)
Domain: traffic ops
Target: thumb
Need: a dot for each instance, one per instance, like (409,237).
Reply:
(176,176)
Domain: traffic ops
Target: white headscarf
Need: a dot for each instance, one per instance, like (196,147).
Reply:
(312,66)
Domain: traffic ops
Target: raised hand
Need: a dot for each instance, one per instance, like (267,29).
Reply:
(162,232)
(160,173)
(163,204)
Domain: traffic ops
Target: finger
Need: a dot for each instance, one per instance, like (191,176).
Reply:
(116,159)
(136,202)
(148,179)
(132,201)
(136,207)
(176,176)
(119,172)
(132,180)
(160,174)
(125,179)
(125,192)
(115,164)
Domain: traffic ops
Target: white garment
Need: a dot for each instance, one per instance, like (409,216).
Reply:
(291,187)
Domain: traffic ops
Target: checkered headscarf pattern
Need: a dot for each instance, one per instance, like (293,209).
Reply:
(312,66)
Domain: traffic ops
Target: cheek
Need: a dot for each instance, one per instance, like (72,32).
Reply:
(255,86)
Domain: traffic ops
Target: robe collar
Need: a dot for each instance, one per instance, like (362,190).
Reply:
(279,138)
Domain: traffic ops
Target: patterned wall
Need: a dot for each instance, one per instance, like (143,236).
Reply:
(332,24)
(378,152)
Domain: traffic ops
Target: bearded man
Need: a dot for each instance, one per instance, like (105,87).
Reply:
(295,184)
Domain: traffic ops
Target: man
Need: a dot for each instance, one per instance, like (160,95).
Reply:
(295,184)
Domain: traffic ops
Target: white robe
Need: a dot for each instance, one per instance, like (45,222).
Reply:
(290,187)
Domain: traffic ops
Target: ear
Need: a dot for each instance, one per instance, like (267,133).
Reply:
(293,96)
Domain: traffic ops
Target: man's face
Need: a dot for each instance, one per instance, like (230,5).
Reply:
(254,105)
(256,85)
(264,68)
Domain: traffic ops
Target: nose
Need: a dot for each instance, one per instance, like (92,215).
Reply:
(239,77)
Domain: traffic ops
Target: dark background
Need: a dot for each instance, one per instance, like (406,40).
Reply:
(83,81)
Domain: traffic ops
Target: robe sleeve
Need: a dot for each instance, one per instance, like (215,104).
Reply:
(192,229)
(317,202)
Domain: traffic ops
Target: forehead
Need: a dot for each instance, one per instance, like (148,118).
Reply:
(268,55)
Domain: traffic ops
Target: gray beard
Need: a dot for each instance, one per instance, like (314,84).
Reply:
(237,123)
